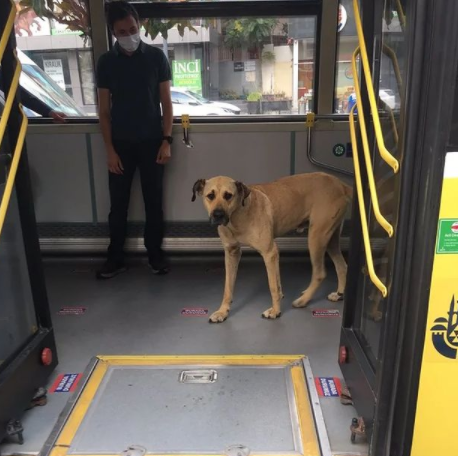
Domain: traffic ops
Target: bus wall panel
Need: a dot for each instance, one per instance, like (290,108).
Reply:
(59,171)
(249,157)
(69,172)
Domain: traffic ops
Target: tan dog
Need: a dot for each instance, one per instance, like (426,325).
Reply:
(257,214)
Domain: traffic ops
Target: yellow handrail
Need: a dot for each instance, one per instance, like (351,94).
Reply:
(394,60)
(13,170)
(362,209)
(367,156)
(5,116)
(393,121)
(10,98)
(385,154)
(7,30)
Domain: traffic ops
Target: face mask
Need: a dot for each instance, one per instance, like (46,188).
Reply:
(130,43)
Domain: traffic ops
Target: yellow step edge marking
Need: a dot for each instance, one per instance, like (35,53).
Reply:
(79,412)
(309,438)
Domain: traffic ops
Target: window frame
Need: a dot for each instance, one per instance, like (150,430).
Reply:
(326,36)
(248,8)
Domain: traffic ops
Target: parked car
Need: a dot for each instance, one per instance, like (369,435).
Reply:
(38,83)
(186,101)
(388,96)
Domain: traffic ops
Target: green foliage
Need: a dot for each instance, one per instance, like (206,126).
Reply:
(254,96)
(250,32)
(229,95)
(75,15)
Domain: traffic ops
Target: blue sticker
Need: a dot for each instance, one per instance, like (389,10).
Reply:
(65,383)
(328,386)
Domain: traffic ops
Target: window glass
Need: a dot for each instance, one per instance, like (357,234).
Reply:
(38,83)
(58,43)
(347,42)
(87,78)
(180,97)
(238,66)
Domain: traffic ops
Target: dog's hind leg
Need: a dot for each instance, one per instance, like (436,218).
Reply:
(272,261)
(318,239)
(337,258)
(232,255)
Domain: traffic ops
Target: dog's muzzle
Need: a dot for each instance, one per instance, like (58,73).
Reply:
(219,217)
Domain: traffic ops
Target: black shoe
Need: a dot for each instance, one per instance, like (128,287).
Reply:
(110,269)
(159,264)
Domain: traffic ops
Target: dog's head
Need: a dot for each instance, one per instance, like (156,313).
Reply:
(222,196)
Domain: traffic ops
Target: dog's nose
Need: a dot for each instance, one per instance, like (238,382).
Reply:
(219,217)
(218,214)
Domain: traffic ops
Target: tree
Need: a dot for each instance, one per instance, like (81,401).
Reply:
(75,15)
(251,33)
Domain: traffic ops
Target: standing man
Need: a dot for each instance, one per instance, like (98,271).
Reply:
(133,81)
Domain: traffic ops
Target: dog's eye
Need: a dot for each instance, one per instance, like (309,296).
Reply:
(211,196)
(227,196)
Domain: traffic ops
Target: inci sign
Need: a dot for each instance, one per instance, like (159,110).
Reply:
(187,74)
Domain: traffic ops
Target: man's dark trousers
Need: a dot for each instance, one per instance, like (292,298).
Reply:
(141,154)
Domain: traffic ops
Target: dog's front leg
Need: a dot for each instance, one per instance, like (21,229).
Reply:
(232,254)
(272,262)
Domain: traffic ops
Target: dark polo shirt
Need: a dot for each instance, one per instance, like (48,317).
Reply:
(133,82)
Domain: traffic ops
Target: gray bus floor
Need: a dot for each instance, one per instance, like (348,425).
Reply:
(138,313)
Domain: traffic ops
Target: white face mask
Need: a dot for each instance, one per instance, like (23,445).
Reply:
(130,43)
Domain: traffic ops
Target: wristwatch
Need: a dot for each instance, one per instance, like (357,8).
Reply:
(169,139)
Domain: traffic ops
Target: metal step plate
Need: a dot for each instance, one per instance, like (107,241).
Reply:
(202,405)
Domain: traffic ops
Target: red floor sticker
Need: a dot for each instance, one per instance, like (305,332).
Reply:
(65,383)
(194,312)
(71,311)
(328,386)
(325,313)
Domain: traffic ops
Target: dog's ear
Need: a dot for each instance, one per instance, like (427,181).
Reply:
(243,190)
(198,188)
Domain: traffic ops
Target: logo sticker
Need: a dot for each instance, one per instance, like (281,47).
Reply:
(71,311)
(65,383)
(338,150)
(325,313)
(447,236)
(328,386)
(194,312)
(445,332)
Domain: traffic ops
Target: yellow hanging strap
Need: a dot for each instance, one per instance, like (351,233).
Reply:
(186,124)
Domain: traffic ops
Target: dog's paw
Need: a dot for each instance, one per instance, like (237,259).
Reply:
(218,317)
(271,314)
(301,301)
(335,296)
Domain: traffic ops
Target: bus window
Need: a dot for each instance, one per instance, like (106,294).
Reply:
(38,83)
